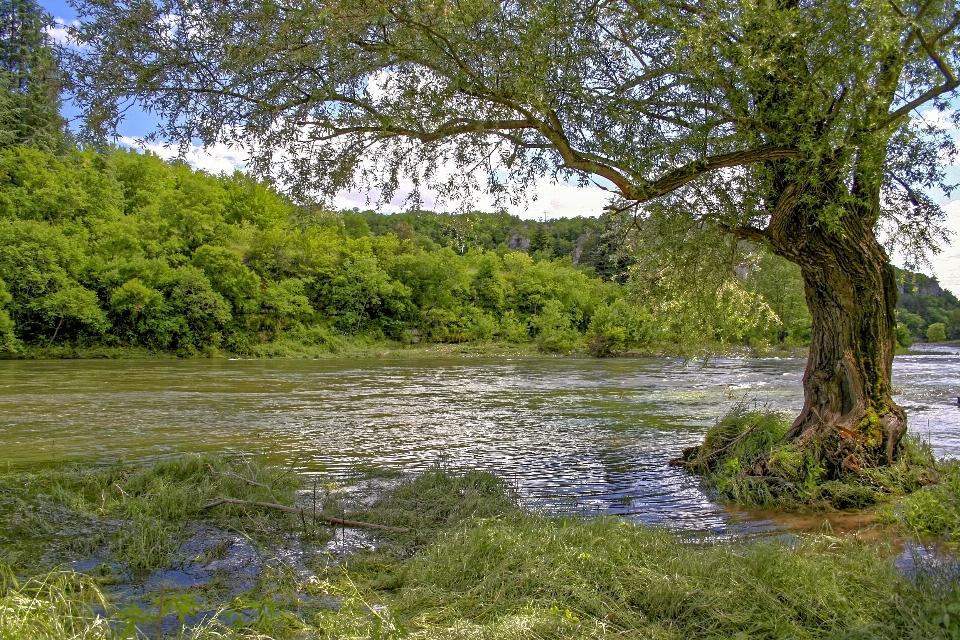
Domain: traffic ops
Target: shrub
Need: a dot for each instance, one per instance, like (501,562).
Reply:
(937,332)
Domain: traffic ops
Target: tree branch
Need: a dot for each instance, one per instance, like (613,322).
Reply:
(946,87)
(286,509)
(693,170)
(745,232)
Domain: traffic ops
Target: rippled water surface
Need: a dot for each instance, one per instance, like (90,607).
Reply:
(588,434)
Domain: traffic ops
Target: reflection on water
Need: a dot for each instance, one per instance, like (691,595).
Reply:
(591,435)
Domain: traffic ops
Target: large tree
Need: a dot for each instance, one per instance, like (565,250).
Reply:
(794,124)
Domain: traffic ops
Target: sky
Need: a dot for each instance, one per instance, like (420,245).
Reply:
(550,200)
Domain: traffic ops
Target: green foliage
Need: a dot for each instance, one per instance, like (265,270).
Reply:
(120,249)
(937,332)
(935,509)
(8,341)
(619,326)
(781,285)
(924,302)
(553,330)
(904,336)
(30,81)
(688,275)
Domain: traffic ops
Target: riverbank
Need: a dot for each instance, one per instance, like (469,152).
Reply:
(363,349)
(117,551)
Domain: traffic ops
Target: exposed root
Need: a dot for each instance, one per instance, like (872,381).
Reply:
(749,458)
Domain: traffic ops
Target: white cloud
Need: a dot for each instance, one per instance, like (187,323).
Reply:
(946,265)
(216,159)
(937,118)
(552,201)
(59,33)
(563,201)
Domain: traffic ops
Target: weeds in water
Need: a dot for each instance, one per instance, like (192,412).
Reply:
(145,509)
(436,501)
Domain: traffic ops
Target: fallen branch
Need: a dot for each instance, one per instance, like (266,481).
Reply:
(280,507)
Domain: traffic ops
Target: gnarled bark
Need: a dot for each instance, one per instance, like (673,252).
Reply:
(851,293)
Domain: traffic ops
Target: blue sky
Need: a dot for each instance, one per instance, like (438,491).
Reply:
(553,200)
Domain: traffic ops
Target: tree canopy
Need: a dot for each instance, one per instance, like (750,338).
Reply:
(643,97)
(30,79)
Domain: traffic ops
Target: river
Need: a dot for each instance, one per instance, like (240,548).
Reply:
(581,434)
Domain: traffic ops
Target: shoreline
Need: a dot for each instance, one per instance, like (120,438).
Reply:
(391,350)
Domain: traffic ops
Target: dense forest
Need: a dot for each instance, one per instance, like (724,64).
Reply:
(110,247)
(119,248)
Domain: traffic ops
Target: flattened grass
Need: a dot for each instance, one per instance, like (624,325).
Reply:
(139,513)
(512,574)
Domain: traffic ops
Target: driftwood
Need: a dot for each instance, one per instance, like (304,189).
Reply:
(302,513)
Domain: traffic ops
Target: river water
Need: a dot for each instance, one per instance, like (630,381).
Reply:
(588,435)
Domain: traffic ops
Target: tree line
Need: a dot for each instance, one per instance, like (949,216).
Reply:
(111,247)
(117,248)
(120,248)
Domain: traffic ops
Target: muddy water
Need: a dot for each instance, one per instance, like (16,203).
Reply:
(585,435)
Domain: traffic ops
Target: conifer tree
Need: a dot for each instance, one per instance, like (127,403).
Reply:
(30,80)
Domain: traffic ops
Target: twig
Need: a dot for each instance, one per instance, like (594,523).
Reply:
(732,442)
(280,507)
(237,476)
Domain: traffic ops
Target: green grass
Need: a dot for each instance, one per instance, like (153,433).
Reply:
(472,565)
(506,573)
(58,604)
(933,510)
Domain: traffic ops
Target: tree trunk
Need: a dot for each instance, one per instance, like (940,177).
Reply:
(851,292)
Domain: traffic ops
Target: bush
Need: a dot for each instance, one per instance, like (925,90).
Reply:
(617,327)
(512,328)
(937,332)
(934,510)
(554,333)
(904,337)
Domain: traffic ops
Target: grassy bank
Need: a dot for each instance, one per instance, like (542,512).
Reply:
(361,348)
(130,551)
(348,348)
